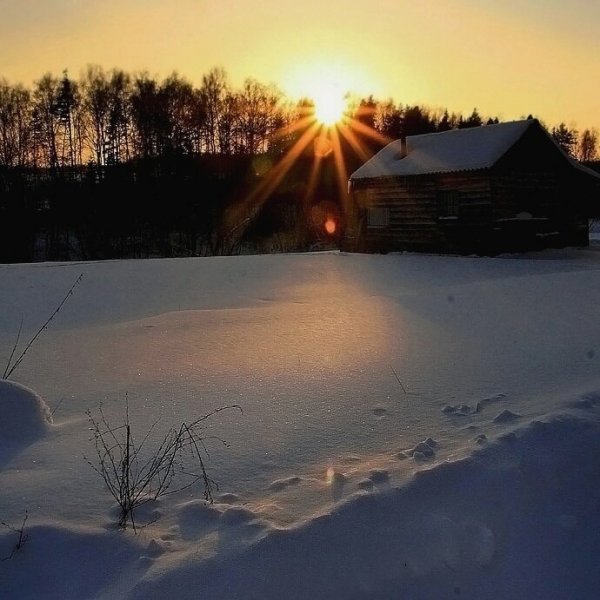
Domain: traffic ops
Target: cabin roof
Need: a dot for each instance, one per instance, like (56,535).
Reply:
(470,149)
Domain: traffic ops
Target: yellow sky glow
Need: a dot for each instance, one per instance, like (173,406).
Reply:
(508,58)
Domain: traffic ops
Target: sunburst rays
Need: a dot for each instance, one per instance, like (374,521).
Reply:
(330,142)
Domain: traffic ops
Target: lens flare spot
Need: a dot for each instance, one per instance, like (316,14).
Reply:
(322,146)
(262,165)
(330,226)
(329,475)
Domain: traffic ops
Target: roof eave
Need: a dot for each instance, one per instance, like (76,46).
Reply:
(427,173)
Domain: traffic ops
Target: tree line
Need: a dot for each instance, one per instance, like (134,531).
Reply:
(112,117)
(114,164)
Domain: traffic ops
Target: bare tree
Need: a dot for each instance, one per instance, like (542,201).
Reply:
(15,124)
(65,107)
(213,91)
(228,130)
(258,109)
(179,114)
(117,145)
(147,116)
(96,99)
(46,119)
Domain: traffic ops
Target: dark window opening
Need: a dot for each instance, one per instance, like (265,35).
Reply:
(378,216)
(448,204)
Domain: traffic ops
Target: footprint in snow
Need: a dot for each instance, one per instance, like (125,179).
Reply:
(489,400)
(379,476)
(281,484)
(365,484)
(587,401)
(228,498)
(462,410)
(157,547)
(376,477)
(422,451)
(380,412)
(237,515)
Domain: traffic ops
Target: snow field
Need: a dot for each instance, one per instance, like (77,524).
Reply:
(475,476)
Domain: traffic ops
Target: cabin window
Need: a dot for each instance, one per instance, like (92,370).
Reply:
(378,216)
(448,203)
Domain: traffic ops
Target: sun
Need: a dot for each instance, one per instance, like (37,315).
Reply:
(329,84)
(330,105)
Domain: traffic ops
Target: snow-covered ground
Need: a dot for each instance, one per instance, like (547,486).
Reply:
(413,426)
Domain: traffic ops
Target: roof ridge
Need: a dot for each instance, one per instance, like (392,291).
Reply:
(475,128)
(468,149)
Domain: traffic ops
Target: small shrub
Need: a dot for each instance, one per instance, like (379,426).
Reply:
(134,475)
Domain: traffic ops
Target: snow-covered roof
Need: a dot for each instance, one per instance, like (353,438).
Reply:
(449,151)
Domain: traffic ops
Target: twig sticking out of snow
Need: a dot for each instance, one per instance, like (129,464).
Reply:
(398,380)
(21,540)
(10,367)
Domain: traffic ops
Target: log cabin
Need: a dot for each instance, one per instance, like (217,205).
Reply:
(490,189)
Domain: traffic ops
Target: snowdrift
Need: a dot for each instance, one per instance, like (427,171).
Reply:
(24,416)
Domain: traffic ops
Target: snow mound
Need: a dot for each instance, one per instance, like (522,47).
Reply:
(506,416)
(68,563)
(198,518)
(24,416)
(463,525)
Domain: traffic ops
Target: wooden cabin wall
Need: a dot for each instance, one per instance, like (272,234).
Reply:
(526,192)
(475,195)
(412,206)
(472,227)
(498,211)
(415,220)
(555,201)
(537,178)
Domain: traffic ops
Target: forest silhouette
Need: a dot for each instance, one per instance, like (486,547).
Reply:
(120,165)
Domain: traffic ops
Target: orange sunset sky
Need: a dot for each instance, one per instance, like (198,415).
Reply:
(508,58)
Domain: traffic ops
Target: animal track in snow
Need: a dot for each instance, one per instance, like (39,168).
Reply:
(379,476)
(463,410)
(422,451)
(376,477)
(365,484)
(228,498)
